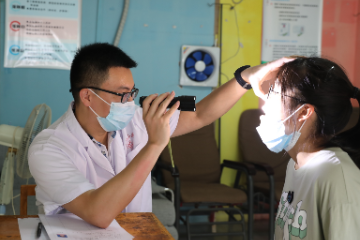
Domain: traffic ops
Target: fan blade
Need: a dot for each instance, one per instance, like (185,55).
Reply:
(197,55)
(208,70)
(189,62)
(201,77)
(191,72)
(207,59)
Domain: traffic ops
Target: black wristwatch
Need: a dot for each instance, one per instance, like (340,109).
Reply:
(240,80)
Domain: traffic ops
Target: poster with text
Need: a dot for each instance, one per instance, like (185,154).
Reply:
(41,33)
(291,27)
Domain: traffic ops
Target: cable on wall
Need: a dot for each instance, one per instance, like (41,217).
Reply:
(122,22)
(237,2)
(238,35)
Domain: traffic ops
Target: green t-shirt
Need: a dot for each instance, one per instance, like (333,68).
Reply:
(320,200)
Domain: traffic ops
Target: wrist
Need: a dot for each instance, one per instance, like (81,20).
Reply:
(245,76)
(241,77)
(149,153)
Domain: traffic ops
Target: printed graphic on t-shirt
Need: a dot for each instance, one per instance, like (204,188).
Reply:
(292,222)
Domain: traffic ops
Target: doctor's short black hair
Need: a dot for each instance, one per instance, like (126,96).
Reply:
(91,65)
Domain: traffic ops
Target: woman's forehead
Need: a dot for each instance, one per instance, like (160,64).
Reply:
(277,86)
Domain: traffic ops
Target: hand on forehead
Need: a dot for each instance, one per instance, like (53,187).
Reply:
(265,74)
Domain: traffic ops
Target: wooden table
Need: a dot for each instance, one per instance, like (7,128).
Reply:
(140,225)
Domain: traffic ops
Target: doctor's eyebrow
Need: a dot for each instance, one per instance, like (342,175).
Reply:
(126,88)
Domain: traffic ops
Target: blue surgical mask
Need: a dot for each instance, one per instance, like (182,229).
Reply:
(272,133)
(120,115)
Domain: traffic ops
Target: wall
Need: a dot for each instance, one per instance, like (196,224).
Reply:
(340,43)
(341,36)
(153,34)
(241,45)
(357,50)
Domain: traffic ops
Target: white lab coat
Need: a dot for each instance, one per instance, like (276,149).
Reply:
(65,162)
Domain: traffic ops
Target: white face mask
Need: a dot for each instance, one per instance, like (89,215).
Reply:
(119,116)
(272,133)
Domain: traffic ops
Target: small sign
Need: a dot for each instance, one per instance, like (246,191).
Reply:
(291,27)
(41,33)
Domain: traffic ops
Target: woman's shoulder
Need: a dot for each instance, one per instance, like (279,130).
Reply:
(334,167)
(333,159)
(338,177)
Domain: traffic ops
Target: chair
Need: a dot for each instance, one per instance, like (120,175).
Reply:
(354,118)
(25,191)
(163,208)
(270,167)
(199,170)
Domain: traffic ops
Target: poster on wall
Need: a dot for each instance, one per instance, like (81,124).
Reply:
(291,27)
(41,33)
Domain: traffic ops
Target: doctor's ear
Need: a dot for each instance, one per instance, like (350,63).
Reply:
(84,95)
(306,112)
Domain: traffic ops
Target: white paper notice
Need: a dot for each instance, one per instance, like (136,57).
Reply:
(291,27)
(71,227)
(41,34)
(28,229)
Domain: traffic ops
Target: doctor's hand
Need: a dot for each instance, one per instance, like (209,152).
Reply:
(258,74)
(157,117)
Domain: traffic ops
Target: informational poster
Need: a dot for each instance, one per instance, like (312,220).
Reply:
(291,27)
(41,33)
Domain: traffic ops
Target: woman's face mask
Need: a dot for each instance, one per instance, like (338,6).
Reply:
(273,135)
(119,116)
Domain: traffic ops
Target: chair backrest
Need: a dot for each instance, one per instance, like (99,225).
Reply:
(252,149)
(196,156)
(354,118)
(25,191)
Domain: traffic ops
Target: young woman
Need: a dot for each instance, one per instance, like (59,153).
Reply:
(305,112)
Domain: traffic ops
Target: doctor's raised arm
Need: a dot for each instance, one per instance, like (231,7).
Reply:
(224,98)
(95,160)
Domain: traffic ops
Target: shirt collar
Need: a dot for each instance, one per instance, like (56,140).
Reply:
(111,134)
(76,128)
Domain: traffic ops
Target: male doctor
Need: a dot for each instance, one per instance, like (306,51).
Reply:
(95,161)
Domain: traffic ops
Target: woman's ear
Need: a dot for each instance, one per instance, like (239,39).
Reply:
(306,112)
(84,95)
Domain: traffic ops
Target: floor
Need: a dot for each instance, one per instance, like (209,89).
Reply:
(260,232)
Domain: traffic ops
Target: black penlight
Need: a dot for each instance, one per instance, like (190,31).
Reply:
(187,103)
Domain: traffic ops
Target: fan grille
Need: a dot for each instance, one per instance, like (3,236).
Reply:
(38,120)
(192,62)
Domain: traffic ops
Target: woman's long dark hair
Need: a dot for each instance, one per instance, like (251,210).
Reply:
(323,84)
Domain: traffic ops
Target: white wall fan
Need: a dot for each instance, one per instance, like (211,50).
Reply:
(18,140)
(199,66)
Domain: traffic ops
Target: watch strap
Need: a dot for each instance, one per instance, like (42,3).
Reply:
(240,80)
